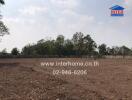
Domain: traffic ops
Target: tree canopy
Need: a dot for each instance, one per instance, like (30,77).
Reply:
(80,45)
(2,2)
(3,28)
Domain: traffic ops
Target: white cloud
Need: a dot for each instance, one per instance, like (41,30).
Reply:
(73,22)
(65,3)
(10,20)
(18,20)
(32,10)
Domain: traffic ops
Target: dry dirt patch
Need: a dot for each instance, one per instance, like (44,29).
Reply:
(25,79)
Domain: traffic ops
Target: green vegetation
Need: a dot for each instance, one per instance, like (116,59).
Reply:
(3,28)
(79,46)
(15,52)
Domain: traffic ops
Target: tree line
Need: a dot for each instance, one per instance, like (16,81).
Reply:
(79,46)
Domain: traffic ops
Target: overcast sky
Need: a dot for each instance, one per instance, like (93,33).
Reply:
(32,20)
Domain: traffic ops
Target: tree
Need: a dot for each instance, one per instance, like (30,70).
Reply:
(83,45)
(78,42)
(68,48)
(3,28)
(125,51)
(28,50)
(108,50)
(2,2)
(89,45)
(40,47)
(59,44)
(102,49)
(45,47)
(4,52)
(116,51)
(15,51)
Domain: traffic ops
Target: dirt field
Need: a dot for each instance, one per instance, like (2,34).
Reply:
(27,79)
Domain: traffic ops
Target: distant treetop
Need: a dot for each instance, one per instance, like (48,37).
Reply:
(2,2)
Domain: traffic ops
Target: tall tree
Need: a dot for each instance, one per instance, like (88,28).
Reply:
(59,44)
(102,49)
(68,48)
(89,45)
(15,52)
(78,42)
(125,51)
(3,28)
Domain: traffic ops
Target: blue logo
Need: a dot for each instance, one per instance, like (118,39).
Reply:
(117,10)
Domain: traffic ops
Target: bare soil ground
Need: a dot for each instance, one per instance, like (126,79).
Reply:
(26,79)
